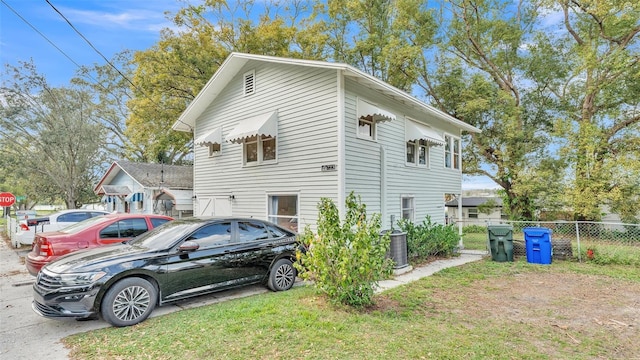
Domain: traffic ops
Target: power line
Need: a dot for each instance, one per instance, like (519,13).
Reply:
(41,34)
(90,44)
(78,65)
(107,60)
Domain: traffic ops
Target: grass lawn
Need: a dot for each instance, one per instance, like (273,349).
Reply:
(477,311)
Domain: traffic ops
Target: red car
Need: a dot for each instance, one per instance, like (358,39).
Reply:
(90,233)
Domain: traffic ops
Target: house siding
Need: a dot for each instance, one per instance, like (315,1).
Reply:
(374,165)
(306,140)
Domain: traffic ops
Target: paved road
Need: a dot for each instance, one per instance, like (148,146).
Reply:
(26,335)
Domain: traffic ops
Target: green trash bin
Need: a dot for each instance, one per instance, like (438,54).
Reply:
(501,242)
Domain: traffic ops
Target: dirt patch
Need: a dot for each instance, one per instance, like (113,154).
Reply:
(573,307)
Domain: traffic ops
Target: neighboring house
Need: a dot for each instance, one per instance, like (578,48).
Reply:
(476,210)
(144,188)
(275,135)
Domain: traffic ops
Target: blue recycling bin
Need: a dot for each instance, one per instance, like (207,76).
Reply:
(538,244)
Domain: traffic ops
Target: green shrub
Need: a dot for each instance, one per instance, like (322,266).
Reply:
(474,229)
(429,239)
(345,260)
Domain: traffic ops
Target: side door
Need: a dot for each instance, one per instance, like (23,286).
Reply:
(122,230)
(206,269)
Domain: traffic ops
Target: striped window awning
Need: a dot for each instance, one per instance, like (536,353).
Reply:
(108,199)
(135,197)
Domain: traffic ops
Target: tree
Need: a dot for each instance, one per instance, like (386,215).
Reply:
(478,75)
(598,102)
(170,74)
(51,136)
(384,38)
(110,87)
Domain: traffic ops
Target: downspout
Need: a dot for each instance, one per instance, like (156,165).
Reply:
(460,243)
(383,186)
(341,144)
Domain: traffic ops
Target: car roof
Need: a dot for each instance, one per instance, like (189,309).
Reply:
(129,215)
(65,211)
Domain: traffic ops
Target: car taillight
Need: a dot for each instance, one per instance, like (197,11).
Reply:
(24,227)
(45,248)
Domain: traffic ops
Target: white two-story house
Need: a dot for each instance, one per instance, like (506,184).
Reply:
(272,136)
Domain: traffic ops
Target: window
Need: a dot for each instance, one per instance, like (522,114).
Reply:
(249,83)
(126,228)
(74,217)
(452,155)
(473,213)
(418,153)
(283,210)
(366,128)
(212,235)
(408,208)
(214,149)
(249,231)
(259,149)
(157,222)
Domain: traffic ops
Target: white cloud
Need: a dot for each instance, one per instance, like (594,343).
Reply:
(139,19)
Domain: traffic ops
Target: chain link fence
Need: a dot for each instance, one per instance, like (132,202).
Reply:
(601,242)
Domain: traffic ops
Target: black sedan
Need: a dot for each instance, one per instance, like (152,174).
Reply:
(180,259)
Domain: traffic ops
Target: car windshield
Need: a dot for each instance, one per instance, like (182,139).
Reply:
(79,226)
(165,235)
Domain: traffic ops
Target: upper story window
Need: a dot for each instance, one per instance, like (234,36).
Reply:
(249,85)
(452,155)
(212,140)
(259,149)
(369,115)
(418,153)
(419,138)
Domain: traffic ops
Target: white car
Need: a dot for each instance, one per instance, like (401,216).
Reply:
(54,222)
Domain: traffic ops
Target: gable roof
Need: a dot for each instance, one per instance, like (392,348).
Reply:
(236,61)
(475,201)
(150,175)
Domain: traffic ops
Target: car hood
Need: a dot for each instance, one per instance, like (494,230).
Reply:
(97,258)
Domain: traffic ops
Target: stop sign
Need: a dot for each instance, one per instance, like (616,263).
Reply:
(7,199)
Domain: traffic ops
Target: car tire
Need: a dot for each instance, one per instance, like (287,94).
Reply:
(282,275)
(128,302)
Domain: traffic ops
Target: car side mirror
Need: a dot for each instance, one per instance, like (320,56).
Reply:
(189,246)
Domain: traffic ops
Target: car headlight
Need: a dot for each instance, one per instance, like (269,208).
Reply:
(81,278)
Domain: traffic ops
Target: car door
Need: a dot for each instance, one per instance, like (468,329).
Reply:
(206,269)
(253,253)
(122,230)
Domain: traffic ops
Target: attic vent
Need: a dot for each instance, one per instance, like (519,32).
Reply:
(249,83)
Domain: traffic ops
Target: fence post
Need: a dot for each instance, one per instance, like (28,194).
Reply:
(578,239)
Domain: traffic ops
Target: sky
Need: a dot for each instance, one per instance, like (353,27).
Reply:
(34,30)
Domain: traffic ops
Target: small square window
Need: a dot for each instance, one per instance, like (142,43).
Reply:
(473,213)
(366,128)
